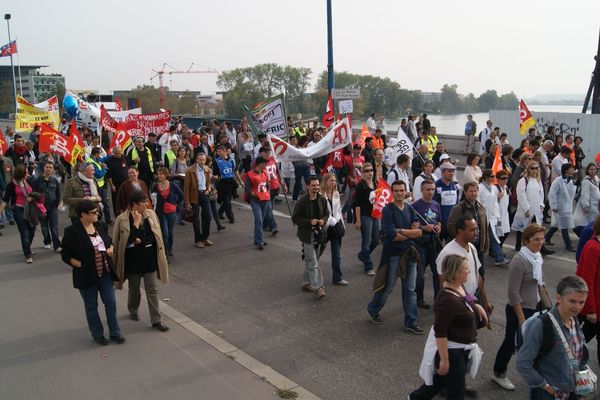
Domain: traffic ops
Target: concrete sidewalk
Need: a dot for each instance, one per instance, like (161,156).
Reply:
(46,351)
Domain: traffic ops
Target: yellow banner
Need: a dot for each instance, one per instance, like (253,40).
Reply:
(28,115)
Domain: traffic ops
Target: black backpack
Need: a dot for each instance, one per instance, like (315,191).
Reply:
(547,337)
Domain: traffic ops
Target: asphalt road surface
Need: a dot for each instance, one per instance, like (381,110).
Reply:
(253,299)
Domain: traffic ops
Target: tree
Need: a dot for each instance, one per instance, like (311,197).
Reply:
(508,101)
(186,104)
(470,103)
(449,100)
(488,100)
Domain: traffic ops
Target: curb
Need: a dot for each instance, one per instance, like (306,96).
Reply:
(262,371)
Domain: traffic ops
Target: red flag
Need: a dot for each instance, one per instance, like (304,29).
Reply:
(118,105)
(8,49)
(3,144)
(106,120)
(74,134)
(120,138)
(329,116)
(328,166)
(383,195)
(51,141)
(527,120)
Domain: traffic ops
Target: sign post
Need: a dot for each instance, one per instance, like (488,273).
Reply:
(345,93)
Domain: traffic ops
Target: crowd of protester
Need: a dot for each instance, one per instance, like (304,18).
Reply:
(434,225)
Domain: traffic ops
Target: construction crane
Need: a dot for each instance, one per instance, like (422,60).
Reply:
(163,70)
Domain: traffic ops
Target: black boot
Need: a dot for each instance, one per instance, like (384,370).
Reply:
(546,252)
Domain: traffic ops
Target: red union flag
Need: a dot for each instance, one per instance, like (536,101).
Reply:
(383,195)
(122,139)
(329,116)
(3,144)
(527,120)
(51,141)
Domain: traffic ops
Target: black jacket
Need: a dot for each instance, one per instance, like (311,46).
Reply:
(77,244)
(303,213)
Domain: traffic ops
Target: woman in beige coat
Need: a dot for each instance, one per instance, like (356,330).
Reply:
(139,252)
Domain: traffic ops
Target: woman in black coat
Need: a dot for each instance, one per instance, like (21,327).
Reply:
(87,248)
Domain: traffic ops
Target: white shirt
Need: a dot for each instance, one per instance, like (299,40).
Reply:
(371,124)
(557,163)
(401,174)
(417,194)
(201,178)
(472,282)
(485,135)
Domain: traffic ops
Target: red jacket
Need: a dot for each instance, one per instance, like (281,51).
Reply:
(589,270)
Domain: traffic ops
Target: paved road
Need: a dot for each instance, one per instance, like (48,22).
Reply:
(254,300)
(46,351)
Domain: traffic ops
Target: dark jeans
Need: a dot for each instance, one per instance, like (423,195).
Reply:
(103,192)
(336,259)
(180,209)
(201,218)
(50,228)
(25,231)
(564,233)
(226,189)
(428,257)
(369,233)
(590,331)
(104,286)
(507,348)
(453,381)
(300,172)
(167,223)
(214,212)
(261,211)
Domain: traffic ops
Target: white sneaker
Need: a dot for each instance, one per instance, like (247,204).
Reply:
(47,246)
(58,250)
(504,383)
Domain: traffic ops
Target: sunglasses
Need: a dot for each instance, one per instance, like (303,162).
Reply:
(533,168)
(367,170)
(502,177)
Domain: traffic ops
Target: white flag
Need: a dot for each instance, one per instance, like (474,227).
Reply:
(338,137)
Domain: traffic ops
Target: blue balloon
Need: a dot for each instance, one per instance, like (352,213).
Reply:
(70,105)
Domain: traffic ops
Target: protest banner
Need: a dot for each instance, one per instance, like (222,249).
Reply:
(270,116)
(338,137)
(140,125)
(51,141)
(29,115)
(382,196)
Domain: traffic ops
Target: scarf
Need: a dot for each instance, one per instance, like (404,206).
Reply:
(91,183)
(535,259)
(20,150)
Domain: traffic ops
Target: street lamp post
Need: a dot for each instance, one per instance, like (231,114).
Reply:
(12,65)
(330,84)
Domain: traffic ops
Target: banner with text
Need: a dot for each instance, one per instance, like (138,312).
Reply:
(270,116)
(338,137)
(136,125)
(29,115)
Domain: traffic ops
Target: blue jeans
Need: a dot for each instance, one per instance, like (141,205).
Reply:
(495,247)
(50,228)
(201,218)
(25,231)
(300,172)
(369,233)
(167,222)
(104,286)
(8,214)
(261,211)
(409,296)
(336,259)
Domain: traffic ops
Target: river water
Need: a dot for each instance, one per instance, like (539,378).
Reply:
(455,124)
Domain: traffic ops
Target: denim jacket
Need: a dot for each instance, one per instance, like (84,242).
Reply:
(553,368)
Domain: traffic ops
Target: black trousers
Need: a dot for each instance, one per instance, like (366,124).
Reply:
(453,381)
(590,331)
(507,348)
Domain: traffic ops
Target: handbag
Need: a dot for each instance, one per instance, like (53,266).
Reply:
(545,302)
(188,215)
(586,380)
(336,231)
(319,235)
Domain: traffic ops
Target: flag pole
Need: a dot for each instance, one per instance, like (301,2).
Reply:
(12,65)
(19,68)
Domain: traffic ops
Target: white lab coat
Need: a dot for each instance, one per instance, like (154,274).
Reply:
(489,200)
(586,209)
(560,197)
(530,197)
(503,204)
(556,166)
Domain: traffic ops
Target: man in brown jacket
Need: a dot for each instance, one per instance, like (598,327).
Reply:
(196,185)
(471,208)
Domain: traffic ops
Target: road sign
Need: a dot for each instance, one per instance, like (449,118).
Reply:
(345,107)
(345,93)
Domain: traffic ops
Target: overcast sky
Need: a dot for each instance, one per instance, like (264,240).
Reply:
(529,46)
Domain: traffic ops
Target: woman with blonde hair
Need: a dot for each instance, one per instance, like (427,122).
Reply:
(451,349)
(335,225)
(530,201)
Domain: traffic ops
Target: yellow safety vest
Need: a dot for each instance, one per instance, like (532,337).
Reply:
(134,155)
(433,141)
(170,157)
(96,165)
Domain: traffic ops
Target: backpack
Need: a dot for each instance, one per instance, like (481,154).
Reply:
(547,335)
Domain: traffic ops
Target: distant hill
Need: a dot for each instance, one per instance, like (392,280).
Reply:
(557,99)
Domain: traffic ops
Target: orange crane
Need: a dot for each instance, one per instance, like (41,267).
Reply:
(162,71)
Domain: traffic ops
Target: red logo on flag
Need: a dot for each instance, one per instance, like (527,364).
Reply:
(383,195)
(329,116)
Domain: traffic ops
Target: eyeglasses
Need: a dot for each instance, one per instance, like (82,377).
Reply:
(367,170)
(533,168)
(502,177)
(93,212)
